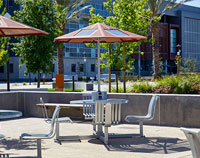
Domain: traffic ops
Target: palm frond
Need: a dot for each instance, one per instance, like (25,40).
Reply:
(171,4)
(160,7)
(77,12)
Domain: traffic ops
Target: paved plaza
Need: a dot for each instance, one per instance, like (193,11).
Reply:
(160,141)
(43,87)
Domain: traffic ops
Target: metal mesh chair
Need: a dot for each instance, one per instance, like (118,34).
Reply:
(59,120)
(193,138)
(40,136)
(148,117)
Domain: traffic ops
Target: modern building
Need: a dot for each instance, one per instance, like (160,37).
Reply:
(180,26)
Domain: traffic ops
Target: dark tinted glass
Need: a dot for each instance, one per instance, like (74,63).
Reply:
(85,33)
(117,32)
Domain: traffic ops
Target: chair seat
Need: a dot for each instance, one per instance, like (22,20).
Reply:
(34,136)
(64,119)
(136,118)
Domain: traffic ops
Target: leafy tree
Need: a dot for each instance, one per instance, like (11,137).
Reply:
(4,56)
(158,9)
(37,52)
(68,10)
(129,15)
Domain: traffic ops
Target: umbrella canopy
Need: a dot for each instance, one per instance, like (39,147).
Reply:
(105,33)
(11,28)
(99,33)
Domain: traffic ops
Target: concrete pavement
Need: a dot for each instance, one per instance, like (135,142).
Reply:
(160,141)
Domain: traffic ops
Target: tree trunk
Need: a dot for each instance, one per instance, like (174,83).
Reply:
(156,50)
(38,81)
(60,54)
(124,68)
(109,81)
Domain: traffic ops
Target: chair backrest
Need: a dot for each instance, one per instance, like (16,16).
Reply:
(86,96)
(107,113)
(88,110)
(152,106)
(44,110)
(53,121)
(193,138)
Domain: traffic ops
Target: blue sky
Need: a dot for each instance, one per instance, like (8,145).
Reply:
(195,3)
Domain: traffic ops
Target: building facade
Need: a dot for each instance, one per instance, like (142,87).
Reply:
(180,26)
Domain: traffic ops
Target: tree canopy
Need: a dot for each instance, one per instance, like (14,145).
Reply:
(129,15)
(4,56)
(37,52)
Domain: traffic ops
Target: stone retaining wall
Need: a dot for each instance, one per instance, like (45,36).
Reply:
(176,110)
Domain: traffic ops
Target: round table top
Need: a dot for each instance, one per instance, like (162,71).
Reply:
(6,114)
(93,101)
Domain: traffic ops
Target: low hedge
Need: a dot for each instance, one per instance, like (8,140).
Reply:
(66,90)
(187,84)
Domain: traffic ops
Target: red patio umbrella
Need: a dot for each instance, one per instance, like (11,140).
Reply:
(11,28)
(99,33)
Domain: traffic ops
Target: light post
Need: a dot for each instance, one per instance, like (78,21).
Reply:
(8,68)
(178,58)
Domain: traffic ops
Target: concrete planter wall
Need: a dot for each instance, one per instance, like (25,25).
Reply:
(176,110)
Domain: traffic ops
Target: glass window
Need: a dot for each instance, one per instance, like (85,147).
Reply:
(73,67)
(2,69)
(92,67)
(11,68)
(11,2)
(53,70)
(85,33)
(173,40)
(117,32)
(81,67)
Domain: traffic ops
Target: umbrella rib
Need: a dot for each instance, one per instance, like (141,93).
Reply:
(2,32)
(100,29)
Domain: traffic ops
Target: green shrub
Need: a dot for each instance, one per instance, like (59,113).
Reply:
(177,84)
(51,89)
(76,90)
(142,87)
(24,83)
(65,90)
(84,78)
(120,89)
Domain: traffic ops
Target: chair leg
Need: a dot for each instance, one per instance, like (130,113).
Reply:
(39,150)
(94,128)
(57,130)
(192,145)
(106,136)
(141,128)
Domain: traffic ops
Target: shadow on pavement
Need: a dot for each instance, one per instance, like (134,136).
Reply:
(156,145)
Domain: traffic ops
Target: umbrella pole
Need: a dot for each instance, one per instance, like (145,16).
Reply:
(98,51)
